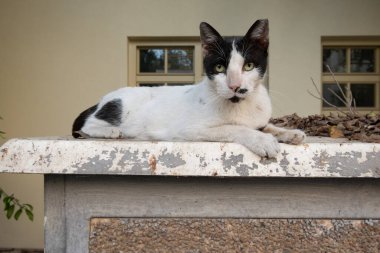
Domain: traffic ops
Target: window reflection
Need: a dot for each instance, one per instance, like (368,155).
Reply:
(152,60)
(180,60)
(151,84)
(362,60)
(364,94)
(335,58)
(330,97)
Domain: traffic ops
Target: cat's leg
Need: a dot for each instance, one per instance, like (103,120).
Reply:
(101,131)
(290,136)
(262,144)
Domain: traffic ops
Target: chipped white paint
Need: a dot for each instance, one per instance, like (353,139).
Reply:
(318,157)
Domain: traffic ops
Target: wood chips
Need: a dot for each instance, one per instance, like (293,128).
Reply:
(365,128)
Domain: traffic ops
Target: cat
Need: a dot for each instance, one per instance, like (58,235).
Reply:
(231,104)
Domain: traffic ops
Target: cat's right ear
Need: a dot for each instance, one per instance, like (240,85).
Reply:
(259,33)
(209,37)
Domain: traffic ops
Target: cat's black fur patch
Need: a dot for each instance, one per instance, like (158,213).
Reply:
(219,55)
(218,49)
(81,119)
(253,53)
(242,91)
(111,112)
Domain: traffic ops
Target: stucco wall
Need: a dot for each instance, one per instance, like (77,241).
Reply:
(59,57)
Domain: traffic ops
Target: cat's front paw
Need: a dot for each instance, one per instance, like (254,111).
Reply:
(292,136)
(265,145)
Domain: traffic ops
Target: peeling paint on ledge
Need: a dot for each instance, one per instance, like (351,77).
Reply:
(319,157)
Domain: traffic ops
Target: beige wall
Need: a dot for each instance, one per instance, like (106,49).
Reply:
(59,57)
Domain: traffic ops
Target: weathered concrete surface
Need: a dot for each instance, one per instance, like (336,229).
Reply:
(318,157)
(72,200)
(233,235)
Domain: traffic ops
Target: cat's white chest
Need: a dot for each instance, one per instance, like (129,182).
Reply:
(254,112)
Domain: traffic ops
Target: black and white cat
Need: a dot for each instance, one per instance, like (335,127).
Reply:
(229,105)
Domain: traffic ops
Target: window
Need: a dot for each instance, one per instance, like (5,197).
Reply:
(355,63)
(164,61)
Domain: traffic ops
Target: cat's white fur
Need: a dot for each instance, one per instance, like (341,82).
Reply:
(200,112)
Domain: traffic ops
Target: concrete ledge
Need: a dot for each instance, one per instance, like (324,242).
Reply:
(318,157)
(323,178)
(71,201)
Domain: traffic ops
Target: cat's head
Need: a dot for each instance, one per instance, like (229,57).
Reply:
(235,67)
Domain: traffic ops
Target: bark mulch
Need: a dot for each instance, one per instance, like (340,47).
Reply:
(365,128)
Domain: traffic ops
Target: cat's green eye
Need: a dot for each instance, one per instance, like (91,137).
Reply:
(220,68)
(248,66)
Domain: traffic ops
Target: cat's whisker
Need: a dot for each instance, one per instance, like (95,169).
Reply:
(220,58)
(212,99)
(278,98)
(243,50)
(218,53)
(278,109)
(219,49)
(270,91)
(246,50)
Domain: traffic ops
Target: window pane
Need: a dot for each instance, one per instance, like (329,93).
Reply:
(151,84)
(180,60)
(335,58)
(362,60)
(364,94)
(152,60)
(330,97)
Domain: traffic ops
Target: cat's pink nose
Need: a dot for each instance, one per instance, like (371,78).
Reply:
(234,86)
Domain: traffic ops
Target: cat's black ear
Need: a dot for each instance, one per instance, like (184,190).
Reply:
(209,37)
(259,33)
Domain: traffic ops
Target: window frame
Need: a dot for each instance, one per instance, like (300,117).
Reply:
(135,43)
(353,77)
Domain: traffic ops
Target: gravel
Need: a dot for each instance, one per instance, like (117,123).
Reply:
(233,235)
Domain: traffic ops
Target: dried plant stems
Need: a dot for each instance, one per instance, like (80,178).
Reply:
(346,98)
(320,97)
